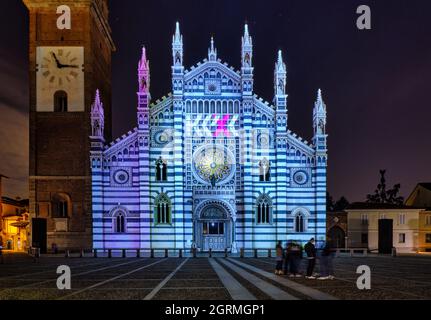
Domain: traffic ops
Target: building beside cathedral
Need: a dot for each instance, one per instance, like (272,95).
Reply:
(211,165)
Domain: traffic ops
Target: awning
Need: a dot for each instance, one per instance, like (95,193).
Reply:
(20,224)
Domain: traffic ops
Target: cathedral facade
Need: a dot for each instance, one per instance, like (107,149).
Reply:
(211,165)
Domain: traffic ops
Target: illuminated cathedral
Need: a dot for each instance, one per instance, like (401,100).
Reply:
(209,166)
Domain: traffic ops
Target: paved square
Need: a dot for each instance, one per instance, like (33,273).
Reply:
(209,278)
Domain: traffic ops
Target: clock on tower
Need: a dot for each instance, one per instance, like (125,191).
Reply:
(60,79)
(70,52)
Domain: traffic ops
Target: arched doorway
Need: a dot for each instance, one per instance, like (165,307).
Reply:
(337,237)
(213,228)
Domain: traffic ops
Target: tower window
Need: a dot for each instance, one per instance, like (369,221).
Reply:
(60,206)
(60,101)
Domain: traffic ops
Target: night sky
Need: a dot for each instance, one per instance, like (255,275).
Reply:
(376,84)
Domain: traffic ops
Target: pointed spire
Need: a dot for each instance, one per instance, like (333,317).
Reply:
(280,66)
(177,38)
(177,30)
(97,116)
(177,47)
(143,63)
(212,51)
(97,107)
(246,39)
(247,51)
(319,115)
(319,104)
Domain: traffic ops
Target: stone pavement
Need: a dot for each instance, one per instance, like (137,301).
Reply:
(208,278)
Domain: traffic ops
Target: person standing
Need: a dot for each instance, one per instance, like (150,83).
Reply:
(310,250)
(279,258)
(288,258)
(295,260)
(326,263)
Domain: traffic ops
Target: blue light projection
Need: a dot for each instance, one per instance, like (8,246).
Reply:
(211,153)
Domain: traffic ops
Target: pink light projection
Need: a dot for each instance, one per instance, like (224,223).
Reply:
(222,128)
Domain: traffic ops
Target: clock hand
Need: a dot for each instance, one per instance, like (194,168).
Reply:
(70,66)
(59,65)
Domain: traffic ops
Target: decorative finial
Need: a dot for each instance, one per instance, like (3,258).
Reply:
(320,105)
(143,63)
(97,107)
(177,29)
(280,57)
(212,52)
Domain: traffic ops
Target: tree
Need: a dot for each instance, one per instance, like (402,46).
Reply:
(329,202)
(340,205)
(381,195)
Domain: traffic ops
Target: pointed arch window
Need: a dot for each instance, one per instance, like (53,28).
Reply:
(247,60)
(300,222)
(177,57)
(60,101)
(162,210)
(120,222)
(264,210)
(264,170)
(161,170)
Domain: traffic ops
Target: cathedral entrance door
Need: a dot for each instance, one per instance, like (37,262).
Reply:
(213,235)
(213,229)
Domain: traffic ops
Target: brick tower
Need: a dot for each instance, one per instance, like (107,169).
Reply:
(70,49)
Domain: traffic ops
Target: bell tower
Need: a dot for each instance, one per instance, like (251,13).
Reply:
(70,48)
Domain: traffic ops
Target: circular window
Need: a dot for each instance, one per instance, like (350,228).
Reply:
(212,87)
(162,137)
(264,139)
(300,177)
(121,176)
(213,164)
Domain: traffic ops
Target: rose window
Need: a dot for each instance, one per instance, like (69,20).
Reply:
(213,164)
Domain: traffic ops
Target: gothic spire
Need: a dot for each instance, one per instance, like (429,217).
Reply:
(178,38)
(246,39)
(280,76)
(97,107)
(319,115)
(97,116)
(144,73)
(280,66)
(212,51)
(177,47)
(143,62)
(319,104)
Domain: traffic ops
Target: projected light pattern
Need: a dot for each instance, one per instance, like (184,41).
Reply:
(211,146)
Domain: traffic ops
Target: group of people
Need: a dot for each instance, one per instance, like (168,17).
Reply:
(289,260)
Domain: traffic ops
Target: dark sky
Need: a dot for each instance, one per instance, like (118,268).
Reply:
(376,84)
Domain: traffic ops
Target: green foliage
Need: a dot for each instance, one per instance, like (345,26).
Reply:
(382,195)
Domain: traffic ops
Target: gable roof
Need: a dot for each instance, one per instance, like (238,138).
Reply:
(205,64)
(371,206)
(415,192)
(426,185)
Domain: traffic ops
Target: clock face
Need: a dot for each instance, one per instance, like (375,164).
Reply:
(60,69)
